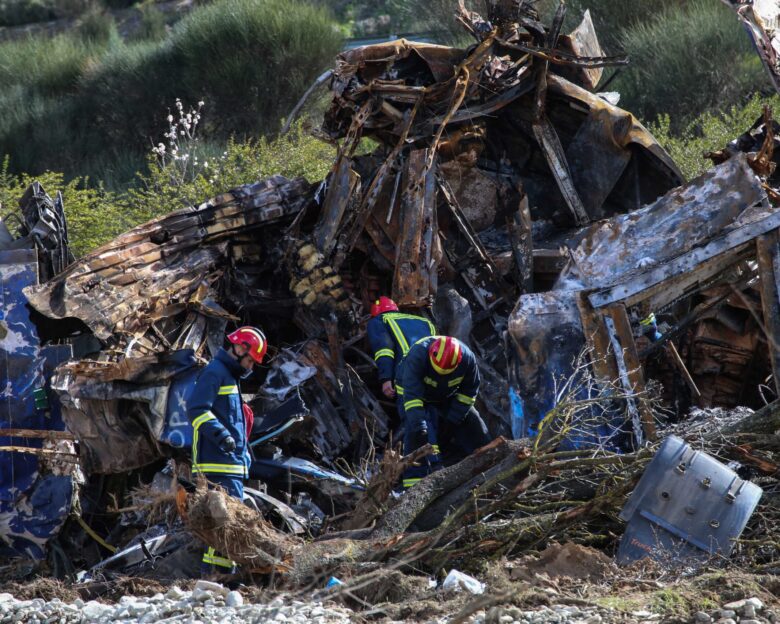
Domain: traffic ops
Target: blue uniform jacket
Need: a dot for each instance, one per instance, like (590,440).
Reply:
(214,409)
(418,384)
(391,335)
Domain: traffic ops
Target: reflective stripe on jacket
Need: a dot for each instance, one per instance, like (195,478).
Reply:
(214,409)
(391,335)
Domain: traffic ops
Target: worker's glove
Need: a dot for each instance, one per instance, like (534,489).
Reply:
(388,390)
(227,445)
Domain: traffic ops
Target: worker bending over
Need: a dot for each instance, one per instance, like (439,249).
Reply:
(220,436)
(438,382)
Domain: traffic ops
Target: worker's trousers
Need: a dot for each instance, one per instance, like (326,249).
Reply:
(451,441)
(212,561)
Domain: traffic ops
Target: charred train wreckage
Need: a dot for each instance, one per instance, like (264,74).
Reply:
(507,200)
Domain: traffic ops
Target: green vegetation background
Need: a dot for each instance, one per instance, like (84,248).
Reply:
(81,108)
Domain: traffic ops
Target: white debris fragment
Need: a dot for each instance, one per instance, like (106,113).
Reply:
(458,581)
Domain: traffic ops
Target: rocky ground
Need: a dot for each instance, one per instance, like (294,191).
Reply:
(551,601)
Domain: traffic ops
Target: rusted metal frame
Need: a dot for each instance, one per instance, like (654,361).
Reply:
(191,234)
(349,238)
(559,57)
(460,89)
(694,315)
(394,195)
(540,70)
(464,225)
(519,226)
(548,140)
(598,341)
(342,183)
(413,281)
(754,24)
(626,352)
(768,252)
(71,458)
(625,382)
(36,433)
(692,266)
(343,387)
(491,106)
(341,190)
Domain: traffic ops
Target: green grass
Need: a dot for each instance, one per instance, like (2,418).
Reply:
(687,61)
(89,104)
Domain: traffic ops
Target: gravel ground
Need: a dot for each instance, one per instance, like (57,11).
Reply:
(749,611)
(208,603)
(211,603)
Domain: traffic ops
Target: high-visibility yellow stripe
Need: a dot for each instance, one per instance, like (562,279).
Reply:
(384,353)
(454,382)
(440,352)
(399,390)
(399,335)
(455,355)
(392,320)
(435,449)
(220,468)
(413,403)
(648,320)
(431,382)
(410,482)
(465,399)
(205,416)
(228,390)
(212,558)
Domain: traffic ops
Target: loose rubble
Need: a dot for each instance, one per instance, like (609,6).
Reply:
(202,605)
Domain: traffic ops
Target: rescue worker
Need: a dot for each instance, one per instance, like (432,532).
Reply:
(390,334)
(438,382)
(649,328)
(219,421)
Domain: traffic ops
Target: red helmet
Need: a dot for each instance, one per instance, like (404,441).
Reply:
(383,304)
(252,338)
(445,353)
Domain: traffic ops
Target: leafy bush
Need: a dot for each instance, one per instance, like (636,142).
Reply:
(187,171)
(708,132)
(94,214)
(687,61)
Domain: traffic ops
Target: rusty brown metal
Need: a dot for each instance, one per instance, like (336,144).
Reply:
(768,254)
(415,278)
(155,269)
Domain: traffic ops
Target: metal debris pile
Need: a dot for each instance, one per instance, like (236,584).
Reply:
(506,199)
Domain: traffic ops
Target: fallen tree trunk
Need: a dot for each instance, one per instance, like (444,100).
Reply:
(489,483)
(764,421)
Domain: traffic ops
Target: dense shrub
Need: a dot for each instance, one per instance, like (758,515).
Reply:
(708,132)
(688,61)
(89,104)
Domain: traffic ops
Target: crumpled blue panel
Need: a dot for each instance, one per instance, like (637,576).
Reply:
(21,371)
(178,430)
(28,524)
(32,507)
